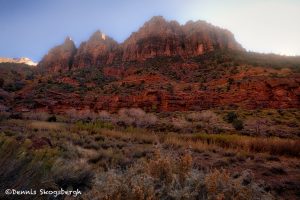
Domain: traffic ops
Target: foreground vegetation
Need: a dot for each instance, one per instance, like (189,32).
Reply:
(125,156)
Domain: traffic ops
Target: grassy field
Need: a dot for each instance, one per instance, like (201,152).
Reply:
(111,161)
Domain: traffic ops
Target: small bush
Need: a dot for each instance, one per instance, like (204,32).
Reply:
(164,178)
(230,81)
(135,117)
(1,82)
(230,117)
(75,115)
(52,118)
(209,120)
(75,175)
(4,115)
(238,124)
(16,115)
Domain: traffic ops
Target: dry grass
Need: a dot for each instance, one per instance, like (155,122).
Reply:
(202,142)
(132,135)
(135,117)
(272,145)
(173,177)
(126,165)
(41,116)
(181,141)
(45,126)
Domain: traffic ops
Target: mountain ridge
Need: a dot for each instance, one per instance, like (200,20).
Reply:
(157,37)
(163,67)
(22,60)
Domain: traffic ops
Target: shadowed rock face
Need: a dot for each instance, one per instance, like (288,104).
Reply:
(98,50)
(59,58)
(155,38)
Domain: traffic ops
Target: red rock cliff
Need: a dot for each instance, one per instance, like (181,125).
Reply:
(98,50)
(159,37)
(155,38)
(59,58)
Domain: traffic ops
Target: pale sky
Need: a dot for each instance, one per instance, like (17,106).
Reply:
(268,26)
(30,28)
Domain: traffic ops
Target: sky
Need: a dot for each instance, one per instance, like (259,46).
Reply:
(29,28)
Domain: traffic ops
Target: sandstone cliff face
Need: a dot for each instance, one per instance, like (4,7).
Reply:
(159,37)
(59,58)
(255,94)
(256,88)
(155,38)
(97,51)
(170,74)
(201,37)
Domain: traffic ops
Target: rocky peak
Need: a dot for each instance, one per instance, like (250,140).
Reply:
(101,38)
(209,37)
(155,27)
(68,44)
(98,50)
(59,58)
(159,25)
(97,36)
(22,60)
(159,37)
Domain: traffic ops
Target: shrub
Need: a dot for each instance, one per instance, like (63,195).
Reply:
(160,169)
(104,115)
(170,88)
(75,115)
(238,124)
(52,118)
(187,88)
(230,81)
(230,117)
(21,168)
(75,175)
(12,87)
(184,167)
(180,123)
(135,117)
(164,178)
(209,120)
(4,115)
(1,82)
(16,115)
